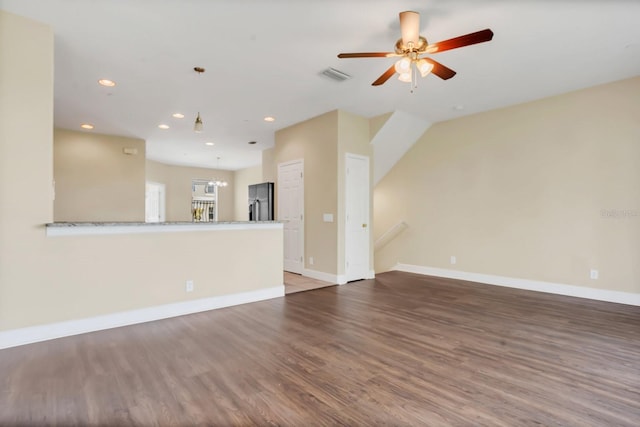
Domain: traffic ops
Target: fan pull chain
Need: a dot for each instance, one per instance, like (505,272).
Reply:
(414,77)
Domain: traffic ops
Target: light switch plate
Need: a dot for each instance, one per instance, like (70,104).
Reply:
(327,217)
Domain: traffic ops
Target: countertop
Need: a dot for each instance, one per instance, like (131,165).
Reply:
(133,227)
(153,224)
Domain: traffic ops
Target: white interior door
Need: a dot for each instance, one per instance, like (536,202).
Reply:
(154,202)
(291,210)
(357,217)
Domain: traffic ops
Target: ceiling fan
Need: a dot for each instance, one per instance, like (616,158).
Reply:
(412,45)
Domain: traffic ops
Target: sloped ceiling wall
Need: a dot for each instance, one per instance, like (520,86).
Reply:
(394,139)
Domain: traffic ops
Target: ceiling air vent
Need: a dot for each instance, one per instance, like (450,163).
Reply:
(336,75)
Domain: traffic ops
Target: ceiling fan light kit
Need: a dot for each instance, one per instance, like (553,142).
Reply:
(412,45)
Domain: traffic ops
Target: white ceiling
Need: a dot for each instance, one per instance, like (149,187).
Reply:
(266,58)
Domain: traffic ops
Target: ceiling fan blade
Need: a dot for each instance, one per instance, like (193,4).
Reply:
(410,27)
(367,55)
(456,42)
(384,77)
(445,73)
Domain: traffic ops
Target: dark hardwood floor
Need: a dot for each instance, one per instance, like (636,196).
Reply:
(400,350)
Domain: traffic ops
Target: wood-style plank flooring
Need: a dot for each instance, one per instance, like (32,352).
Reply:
(400,350)
(297,283)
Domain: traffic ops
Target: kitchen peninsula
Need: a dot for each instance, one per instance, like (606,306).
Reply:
(111,274)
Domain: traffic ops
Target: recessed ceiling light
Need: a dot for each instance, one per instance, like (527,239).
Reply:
(163,126)
(107,82)
(86,126)
(269,119)
(178,115)
(458,107)
(209,143)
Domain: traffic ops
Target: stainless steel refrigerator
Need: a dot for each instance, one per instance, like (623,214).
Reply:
(261,202)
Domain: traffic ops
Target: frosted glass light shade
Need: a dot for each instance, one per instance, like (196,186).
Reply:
(403,65)
(405,77)
(424,67)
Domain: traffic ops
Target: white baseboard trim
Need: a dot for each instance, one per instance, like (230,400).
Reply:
(22,336)
(339,279)
(531,285)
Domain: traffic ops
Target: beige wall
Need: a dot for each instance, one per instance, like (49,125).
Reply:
(242,179)
(316,142)
(177,180)
(519,192)
(50,279)
(322,143)
(26,162)
(95,180)
(157,172)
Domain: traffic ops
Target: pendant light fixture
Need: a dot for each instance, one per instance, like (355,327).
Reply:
(197,126)
(218,182)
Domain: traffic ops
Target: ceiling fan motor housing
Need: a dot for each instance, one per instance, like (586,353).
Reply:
(402,49)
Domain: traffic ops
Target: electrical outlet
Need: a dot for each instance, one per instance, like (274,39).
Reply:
(310,260)
(189,286)
(594,274)
(453,259)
